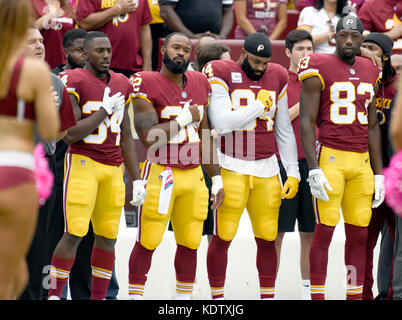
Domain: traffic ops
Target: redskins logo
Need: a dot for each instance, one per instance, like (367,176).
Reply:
(260,47)
(268,103)
(380,117)
(120,19)
(349,22)
(267,98)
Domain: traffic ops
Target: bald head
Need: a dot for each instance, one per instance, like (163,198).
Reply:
(202,42)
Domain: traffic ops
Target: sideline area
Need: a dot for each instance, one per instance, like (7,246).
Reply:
(242,278)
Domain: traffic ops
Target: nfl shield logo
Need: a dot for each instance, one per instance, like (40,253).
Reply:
(184,94)
(352,71)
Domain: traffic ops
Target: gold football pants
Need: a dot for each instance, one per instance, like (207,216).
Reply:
(261,197)
(352,181)
(187,211)
(94,192)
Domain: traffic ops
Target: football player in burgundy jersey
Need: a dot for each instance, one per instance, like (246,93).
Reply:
(25,102)
(383,16)
(249,110)
(339,100)
(381,45)
(126,22)
(168,118)
(93,183)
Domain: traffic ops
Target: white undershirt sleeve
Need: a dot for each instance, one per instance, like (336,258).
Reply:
(285,138)
(222,116)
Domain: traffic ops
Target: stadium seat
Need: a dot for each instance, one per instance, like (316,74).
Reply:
(278,50)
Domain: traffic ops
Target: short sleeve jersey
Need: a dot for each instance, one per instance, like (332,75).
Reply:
(256,140)
(103,144)
(347,91)
(382,16)
(123,31)
(53,32)
(183,150)
(260,13)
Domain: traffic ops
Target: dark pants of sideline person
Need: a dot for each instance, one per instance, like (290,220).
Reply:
(36,257)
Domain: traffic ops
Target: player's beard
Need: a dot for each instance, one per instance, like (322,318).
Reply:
(250,72)
(174,67)
(73,64)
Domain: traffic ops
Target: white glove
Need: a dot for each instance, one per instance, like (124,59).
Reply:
(185,117)
(259,106)
(139,193)
(111,104)
(318,182)
(379,190)
(120,103)
(217,184)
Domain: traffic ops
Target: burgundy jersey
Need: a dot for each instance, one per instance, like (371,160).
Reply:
(183,150)
(294,87)
(123,31)
(262,15)
(103,144)
(53,33)
(66,112)
(386,92)
(382,16)
(346,94)
(243,91)
(10,105)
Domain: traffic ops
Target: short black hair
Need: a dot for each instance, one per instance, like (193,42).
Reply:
(295,36)
(209,52)
(71,35)
(92,35)
(170,35)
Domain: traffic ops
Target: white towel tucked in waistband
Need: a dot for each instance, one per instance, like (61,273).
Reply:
(166,190)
